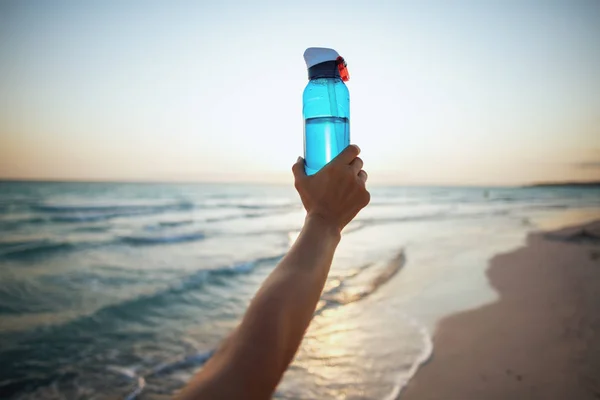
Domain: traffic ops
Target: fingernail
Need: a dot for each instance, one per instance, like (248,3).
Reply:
(299,159)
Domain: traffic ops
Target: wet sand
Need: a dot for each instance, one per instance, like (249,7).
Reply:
(540,340)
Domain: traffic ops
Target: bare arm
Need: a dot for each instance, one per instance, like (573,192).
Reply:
(252,360)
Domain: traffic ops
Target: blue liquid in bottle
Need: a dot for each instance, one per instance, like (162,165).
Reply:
(325,138)
(326,111)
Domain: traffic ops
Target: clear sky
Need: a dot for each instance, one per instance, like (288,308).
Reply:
(445,92)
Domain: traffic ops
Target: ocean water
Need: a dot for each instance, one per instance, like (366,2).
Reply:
(124,290)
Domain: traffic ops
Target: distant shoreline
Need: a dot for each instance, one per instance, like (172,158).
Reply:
(592,184)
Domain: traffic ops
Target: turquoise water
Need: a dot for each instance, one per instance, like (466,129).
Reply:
(124,290)
(325,138)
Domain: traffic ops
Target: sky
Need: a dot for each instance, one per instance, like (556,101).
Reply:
(441,92)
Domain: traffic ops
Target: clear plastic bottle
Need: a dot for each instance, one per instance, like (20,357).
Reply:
(326,108)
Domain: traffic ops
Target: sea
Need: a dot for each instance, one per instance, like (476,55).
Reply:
(124,290)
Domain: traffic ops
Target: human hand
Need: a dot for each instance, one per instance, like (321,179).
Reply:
(337,192)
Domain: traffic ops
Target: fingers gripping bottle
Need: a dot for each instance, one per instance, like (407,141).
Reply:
(326,108)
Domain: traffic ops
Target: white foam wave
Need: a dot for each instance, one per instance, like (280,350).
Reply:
(423,357)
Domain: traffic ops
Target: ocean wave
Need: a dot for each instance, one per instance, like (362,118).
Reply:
(392,202)
(112,319)
(18,297)
(193,360)
(190,361)
(16,223)
(238,216)
(418,217)
(227,218)
(175,223)
(57,208)
(129,373)
(32,248)
(257,214)
(89,213)
(16,204)
(29,249)
(505,199)
(167,224)
(93,214)
(163,239)
(180,205)
(220,196)
(135,306)
(98,216)
(337,296)
(92,228)
(76,218)
(259,205)
(362,223)
(424,357)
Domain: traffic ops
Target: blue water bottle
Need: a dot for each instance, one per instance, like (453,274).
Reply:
(326,108)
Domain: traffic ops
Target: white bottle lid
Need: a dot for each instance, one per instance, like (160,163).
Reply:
(318,55)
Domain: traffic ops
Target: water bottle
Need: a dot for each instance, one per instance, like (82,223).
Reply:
(326,108)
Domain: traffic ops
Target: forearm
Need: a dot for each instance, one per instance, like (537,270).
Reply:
(293,289)
(282,309)
(258,352)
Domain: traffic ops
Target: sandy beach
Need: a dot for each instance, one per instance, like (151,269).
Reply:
(540,340)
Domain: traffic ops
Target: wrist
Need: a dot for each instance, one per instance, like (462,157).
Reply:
(323,225)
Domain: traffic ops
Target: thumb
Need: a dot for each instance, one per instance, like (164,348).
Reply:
(298,168)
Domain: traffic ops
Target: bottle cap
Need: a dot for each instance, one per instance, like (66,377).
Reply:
(318,55)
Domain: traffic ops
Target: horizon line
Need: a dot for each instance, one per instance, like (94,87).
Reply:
(271,183)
